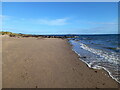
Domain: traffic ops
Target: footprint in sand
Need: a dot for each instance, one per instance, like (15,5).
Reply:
(27,60)
(25,76)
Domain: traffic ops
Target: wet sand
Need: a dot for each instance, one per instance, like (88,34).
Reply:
(47,63)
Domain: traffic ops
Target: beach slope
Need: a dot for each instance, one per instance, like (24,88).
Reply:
(47,63)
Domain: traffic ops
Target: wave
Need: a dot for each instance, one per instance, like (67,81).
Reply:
(111,57)
(103,60)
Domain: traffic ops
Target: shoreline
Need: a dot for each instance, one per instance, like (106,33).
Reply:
(49,69)
(101,68)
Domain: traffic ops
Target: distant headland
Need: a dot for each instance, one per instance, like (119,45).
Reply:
(11,34)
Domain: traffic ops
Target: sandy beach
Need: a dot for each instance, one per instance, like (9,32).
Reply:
(47,63)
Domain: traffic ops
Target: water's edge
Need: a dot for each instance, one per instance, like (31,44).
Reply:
(101,68)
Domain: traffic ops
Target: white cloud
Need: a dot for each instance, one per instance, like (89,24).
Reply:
(62,21)
(105,29)
(1,17)
(5,17)
(105,23)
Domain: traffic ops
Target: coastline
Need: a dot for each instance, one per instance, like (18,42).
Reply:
(50,63)
(99,68)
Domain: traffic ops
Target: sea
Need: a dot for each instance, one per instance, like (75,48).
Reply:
(99,52)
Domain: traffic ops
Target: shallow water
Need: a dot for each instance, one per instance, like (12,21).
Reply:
(99,51)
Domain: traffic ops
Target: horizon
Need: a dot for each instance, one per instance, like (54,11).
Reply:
(60,34)
(60,17)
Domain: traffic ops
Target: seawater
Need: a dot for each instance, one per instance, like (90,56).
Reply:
(99,52)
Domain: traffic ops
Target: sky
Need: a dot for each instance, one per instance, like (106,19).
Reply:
(60,17)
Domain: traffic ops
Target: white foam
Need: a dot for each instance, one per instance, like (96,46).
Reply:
(102,54)
(113,57)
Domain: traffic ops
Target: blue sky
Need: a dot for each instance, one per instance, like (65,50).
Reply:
(60,17)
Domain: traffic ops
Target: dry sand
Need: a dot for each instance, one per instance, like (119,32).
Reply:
(0,62)
(47,63)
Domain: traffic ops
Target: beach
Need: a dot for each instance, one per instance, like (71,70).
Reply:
(47,63)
